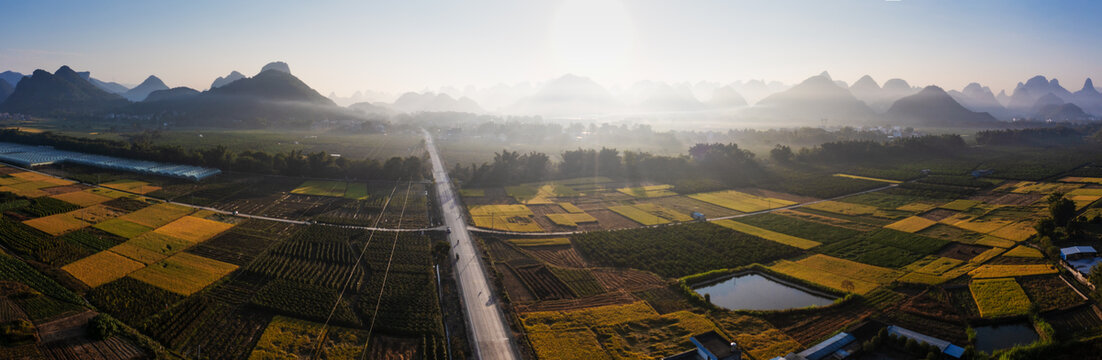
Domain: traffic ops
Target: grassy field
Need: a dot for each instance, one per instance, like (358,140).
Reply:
(740,201)
(193,229)
(183,273)
(999,297)
(101,268)
(800,228)
(472,192)
(768,234)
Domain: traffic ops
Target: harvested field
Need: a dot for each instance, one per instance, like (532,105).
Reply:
(193,229)
(768,234)
(137,253)
(606,299)
(961,251)
(810,328)
(115,347)
(101,268)
(1079,321)
(541,281)
(184,273)
(664,300)
(938,214)
(132,186)
(912,224)
(95,214)
(1019,231)
(1050,292)
(628,279)
(122,228)
(564,256)
(57,224)
(158,215)
(514,287)
(81,198)
(999,271)
(740,201)
(289,338)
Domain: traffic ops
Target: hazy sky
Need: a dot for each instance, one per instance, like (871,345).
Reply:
(394,46)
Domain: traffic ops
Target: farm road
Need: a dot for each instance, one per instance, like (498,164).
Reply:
(490,336)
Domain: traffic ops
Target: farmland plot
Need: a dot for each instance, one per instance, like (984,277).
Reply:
(740,201)
(999,297)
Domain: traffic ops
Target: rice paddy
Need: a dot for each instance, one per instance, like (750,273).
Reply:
(740,201)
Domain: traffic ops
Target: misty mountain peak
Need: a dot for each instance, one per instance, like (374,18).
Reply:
(277,66)
(1036,81)
(897,84)
(865,82)
(223,81)
(826,75)
(1088,86)
(153,80)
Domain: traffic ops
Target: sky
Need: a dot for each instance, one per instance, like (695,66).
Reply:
(414,45)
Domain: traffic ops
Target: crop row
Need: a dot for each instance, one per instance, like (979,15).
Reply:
(305,301)
(681,250)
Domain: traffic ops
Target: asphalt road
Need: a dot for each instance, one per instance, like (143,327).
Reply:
(490,337)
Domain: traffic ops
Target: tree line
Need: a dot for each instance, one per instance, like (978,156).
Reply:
(291,163)
(704,165)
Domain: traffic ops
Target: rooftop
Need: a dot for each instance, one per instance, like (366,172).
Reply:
(715,343)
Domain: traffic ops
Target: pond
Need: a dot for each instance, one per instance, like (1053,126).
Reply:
(997,337)
(753,291)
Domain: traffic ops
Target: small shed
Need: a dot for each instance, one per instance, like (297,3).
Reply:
(698,216)
(1077,253)
(830,346)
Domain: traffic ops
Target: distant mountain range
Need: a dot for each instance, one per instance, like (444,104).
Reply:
(415,102)
(62,93)
(11,77)
(222,81)
(151,84)
(813,100)
(276,97)
(934,107)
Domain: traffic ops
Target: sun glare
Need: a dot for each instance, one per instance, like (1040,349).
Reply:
(592,36)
